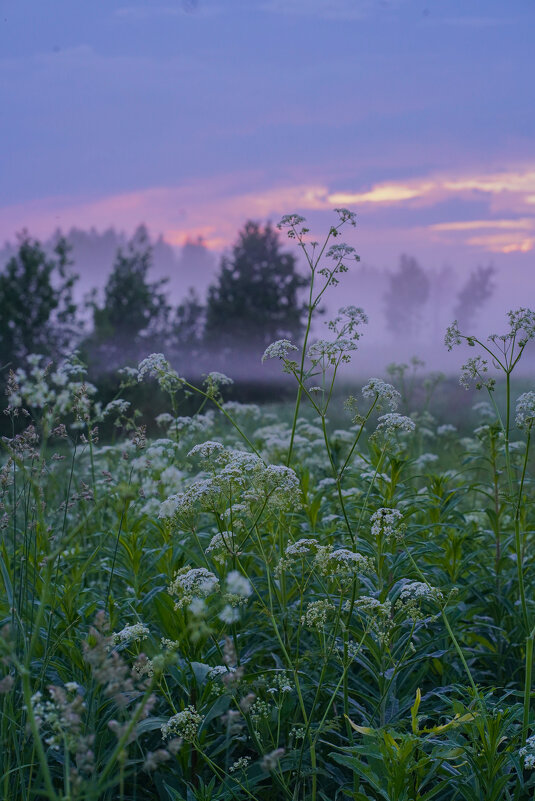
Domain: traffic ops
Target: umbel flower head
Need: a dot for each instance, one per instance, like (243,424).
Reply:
(525,410)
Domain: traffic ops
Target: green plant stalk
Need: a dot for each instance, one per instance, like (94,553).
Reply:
(527,685)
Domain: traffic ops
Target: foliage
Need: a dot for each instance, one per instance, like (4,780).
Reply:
(37,291)
(134,311)
(250,606)
(256,297)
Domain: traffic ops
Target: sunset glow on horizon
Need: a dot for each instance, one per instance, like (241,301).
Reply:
(194,117)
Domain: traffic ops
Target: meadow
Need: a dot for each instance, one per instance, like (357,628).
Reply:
(299,602)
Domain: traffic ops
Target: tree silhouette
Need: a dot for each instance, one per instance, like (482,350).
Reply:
(187,330)
(256,297)
(135,311)
(407,293)
(477,289)
(38,311)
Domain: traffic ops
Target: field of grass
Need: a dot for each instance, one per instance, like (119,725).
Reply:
(300,603)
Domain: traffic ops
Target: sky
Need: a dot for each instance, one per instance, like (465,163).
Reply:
(193,116)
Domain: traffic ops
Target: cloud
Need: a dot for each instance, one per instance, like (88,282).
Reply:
(525,223)
(502,243)
(216,208)
(383,193)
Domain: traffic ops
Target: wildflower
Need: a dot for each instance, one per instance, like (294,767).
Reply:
(241,764)
(522,320)
(528,753)
(238,585)
(290,221)
(445,429)
(214,381)
(192,582)
(476,370)
(413,594)
(135,633)
(185,724)
(301,547)
(206,450)
(219,670)
(389,423)
(164,419)
(316,614)
(453,335)
(366,603)
(379,390)
(278,349)
(340,562)
(386,523)
(424,459)
(280,682)
(169,507)
(157,366)
(420,590)
(347,216)
(331,352)
(117,407)
(525,410)
(229,614)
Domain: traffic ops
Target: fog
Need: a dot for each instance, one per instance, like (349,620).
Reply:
(409,303)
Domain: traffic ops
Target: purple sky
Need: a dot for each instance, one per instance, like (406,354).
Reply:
(194,116)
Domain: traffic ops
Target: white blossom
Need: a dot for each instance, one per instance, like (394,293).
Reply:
(278,349)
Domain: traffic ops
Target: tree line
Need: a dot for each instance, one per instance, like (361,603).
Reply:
(255,299)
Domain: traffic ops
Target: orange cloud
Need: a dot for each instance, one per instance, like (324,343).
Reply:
(522,224)
(215,209)
(385,193)
(502,243)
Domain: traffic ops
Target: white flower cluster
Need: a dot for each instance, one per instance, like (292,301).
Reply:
(301,547)
(240,764)
(316,614)
(390,423)
(453,335)
(184,724)
(238,585)
(340,562)
(522,321)
(135,633)
(525,410)
(425,459)
(157,366)
(383,393)
(278,349)
(116,407)
(446,429)
(367,603)
(419,591)
(528,753)
(207,450)
(476,370)
(192,582)
(62,391)
(326,352)
(386,523)
(280,683)
(221,543)
(274,487)
(328,561)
